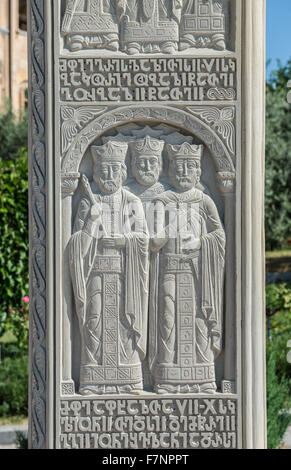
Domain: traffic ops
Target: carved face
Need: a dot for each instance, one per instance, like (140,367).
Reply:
(184,173)
(109,176)
(146,169)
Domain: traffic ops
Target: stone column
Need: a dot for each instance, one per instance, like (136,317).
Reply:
(237,78)
(227,187)
(69,185)
(253,253)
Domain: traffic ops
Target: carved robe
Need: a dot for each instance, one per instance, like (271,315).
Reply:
(138,10)
(111,292)
(89,24)
(130,8)
(141,22)
(147,194)
(186,303)
(203,24)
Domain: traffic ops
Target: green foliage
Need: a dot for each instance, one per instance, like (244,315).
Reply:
(13,134)
(21,441)
(278,159)
(13,240)
(278,403)
(14,386)
(278,299)
(17,324)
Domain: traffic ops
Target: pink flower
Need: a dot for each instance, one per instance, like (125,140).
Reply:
(25,300)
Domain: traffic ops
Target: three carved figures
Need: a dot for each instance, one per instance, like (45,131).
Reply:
(147,268)
(144,26)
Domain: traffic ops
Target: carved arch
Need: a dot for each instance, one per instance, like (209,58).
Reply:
(147,114)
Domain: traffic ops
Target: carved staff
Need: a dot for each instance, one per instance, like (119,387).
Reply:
(88,191)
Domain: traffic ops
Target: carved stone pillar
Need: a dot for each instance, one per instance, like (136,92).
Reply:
(111,275)
(253,248)
(69,185)
(227,187)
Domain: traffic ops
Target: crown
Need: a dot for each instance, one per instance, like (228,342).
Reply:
(184,151)
(147,146)
(110,152)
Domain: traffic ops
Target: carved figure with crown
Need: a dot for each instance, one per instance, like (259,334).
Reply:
(203,24)
(146,168)
(149,26)
(109,272)
(188,248)
(90,24)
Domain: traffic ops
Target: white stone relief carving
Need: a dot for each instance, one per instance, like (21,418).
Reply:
(144,254)
(38,231)
(150,79)
(155,231)
(164,114)
(221,94)
(203,24)
(74,119)
(156,423)
(109,269)
(90,24)
(149,26)
(186,321)
(145,26)
(221,120)
(226,181)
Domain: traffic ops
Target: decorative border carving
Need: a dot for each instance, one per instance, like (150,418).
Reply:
(221,120)
(74,120)
(222,94)
(169,115)
(37,206)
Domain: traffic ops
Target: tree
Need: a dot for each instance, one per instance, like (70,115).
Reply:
(14,224)
(13,134)
(278,159)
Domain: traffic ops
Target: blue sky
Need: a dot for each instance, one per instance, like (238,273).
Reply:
(278,31)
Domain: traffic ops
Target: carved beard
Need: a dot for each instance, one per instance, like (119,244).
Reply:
(109,186)
(184,183)
(146,178)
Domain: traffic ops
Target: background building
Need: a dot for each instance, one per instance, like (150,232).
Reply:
(13,54)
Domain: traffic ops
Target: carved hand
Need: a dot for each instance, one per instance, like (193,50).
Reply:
(190,244)
(115,241)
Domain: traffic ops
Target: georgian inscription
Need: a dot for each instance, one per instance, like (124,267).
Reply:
(153,79)
(166,423)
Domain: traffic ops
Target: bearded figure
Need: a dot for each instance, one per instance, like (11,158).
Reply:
(188,249)
(91,24)
(146,168)
(142,22)
(109,271)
